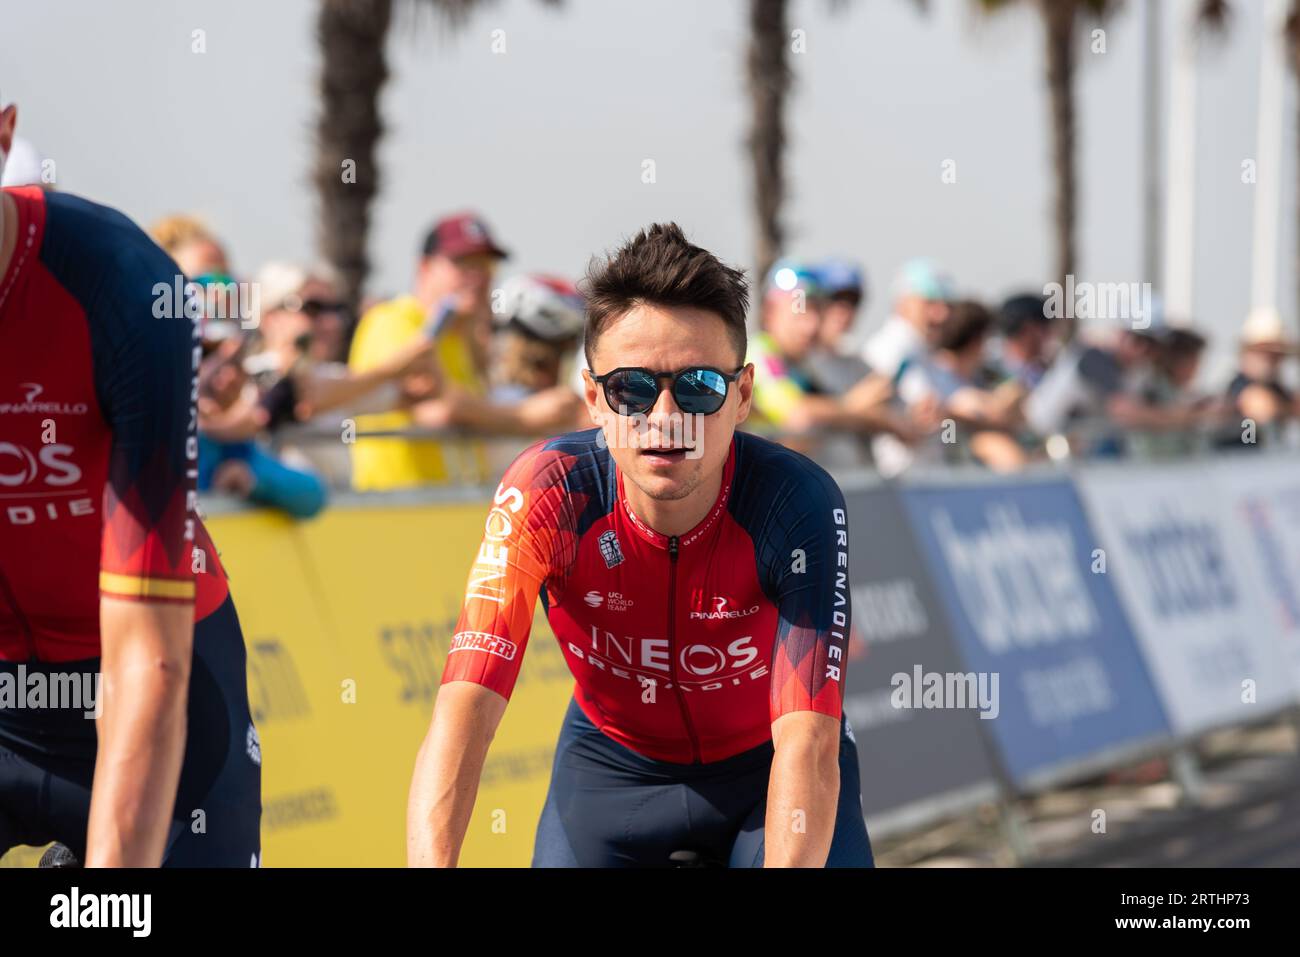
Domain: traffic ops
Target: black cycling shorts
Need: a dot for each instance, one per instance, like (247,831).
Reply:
(47,761)
(611,807)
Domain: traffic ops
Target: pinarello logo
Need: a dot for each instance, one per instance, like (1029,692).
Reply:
(722,609)
(593,598)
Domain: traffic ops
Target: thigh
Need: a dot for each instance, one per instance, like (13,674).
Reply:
(850,845)
(604,809)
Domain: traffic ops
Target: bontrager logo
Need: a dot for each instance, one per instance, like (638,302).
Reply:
(29,405)
(482,641)
(720,610)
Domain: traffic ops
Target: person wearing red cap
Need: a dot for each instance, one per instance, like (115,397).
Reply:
(451,302)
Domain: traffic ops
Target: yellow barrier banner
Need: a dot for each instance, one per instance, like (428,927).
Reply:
(347,619)
(391,581)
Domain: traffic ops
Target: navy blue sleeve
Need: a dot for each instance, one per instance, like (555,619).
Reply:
(799,525)
(145,354)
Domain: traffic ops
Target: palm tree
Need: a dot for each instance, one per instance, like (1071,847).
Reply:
(351,35)
(353,71)
(1060,24)
(768,75)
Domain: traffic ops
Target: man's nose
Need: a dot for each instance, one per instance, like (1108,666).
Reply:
(665,406)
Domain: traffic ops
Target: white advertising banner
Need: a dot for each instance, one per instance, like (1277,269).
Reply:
(1264,499)
(1186,574)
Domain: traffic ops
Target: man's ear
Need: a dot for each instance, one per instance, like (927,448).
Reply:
(591,396)
(745,389)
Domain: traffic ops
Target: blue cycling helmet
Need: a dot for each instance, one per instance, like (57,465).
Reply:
(841,276)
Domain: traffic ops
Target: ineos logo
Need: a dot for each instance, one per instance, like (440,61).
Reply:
(18,466)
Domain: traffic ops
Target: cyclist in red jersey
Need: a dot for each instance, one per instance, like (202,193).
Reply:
(109,584)
(696,579)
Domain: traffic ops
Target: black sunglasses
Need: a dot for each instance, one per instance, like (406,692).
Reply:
(698,390)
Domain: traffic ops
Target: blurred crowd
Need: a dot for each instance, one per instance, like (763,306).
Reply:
(444,384)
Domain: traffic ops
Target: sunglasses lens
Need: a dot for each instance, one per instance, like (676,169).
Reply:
(700,391)
(632,392)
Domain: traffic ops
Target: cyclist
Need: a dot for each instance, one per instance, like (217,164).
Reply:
(696,579)
(108,580)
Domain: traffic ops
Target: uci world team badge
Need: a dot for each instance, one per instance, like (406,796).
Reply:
(609,548)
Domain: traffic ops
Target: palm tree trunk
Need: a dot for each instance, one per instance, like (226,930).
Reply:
(1059,21)
(353,70)
(768,75)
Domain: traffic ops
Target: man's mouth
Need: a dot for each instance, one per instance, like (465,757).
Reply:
(664,455)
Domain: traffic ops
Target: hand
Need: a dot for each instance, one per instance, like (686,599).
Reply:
(234,477)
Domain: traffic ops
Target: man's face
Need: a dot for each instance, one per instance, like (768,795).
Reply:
(468,279)
(838,315)
(1032,339)
(927,316)
(794,321)
(666,453)
(328,327)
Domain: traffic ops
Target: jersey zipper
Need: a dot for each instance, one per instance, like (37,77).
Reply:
(672,650)
(18,613)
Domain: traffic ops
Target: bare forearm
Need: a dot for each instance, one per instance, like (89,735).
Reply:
(142,733)
(447,772)
(802,799)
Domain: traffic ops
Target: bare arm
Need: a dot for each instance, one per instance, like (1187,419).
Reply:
(447,771)
(144,688)
(543,413)
(803,790)
(320,393)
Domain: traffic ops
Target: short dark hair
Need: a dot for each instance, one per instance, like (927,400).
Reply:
(1177,343)
(968,323)
(660,266)
(1022,311)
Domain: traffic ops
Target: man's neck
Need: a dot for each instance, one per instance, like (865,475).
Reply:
(674,516)
(8,232)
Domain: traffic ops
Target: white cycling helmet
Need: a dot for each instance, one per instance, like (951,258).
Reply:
(543,306)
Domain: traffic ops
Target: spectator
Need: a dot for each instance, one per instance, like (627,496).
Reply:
(1262,405)
(189,242)
(450,304)
(921,296)
(239,467)
(1171,384)
(538,329)
(979,420)
(829,365)
(1026,335)
(300,324)
(1092,392)
(785,397)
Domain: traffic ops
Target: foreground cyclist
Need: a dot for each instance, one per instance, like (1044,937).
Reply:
(104,567)
(696,579)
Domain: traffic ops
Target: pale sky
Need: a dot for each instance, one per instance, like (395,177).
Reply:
(548,139)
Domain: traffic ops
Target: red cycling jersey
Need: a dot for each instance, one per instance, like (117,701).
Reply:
(684,648)
(97,431)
